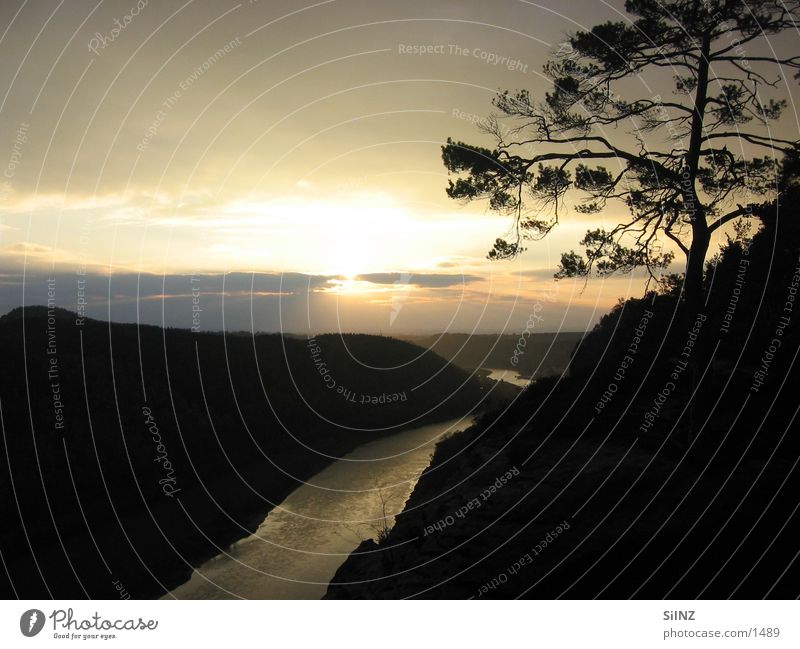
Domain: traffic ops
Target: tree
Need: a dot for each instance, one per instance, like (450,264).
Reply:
(681,166)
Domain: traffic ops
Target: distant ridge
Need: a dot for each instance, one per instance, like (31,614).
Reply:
(534,355)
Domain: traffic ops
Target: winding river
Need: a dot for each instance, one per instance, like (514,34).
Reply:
(509,376)
(297,549)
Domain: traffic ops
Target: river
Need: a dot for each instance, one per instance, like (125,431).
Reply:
(297,549)
(509,376)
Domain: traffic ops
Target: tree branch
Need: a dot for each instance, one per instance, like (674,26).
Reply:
(740,211)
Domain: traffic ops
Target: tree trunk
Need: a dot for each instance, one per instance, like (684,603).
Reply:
(693,283)
(695,264)
(694,299)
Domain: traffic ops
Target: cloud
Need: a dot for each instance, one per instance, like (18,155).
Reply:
(460,261)
(422,280)
(27,248)
(267,301)
(275,301)
(538,273)
(147,285)
(293,302)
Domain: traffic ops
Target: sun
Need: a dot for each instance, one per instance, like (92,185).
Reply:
(356,237)
(342,237)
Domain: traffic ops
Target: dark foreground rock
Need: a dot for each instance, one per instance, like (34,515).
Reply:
(580,519)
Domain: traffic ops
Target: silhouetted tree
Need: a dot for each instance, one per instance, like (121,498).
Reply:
(681,186)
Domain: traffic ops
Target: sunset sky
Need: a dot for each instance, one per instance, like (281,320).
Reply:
(293,145)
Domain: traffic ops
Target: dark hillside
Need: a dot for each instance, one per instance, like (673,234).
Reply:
(133,453)
(538,354)
(664,466)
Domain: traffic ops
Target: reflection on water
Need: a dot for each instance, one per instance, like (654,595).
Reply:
(509,376)
(298,547)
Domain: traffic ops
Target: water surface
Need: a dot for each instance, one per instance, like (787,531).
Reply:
(509,376)
(298,547)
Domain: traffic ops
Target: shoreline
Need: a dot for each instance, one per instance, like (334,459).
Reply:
(316,534)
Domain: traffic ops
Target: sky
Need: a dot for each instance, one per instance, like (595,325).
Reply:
(274,165)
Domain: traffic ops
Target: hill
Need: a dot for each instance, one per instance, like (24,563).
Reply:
(533,355)
(134,453)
